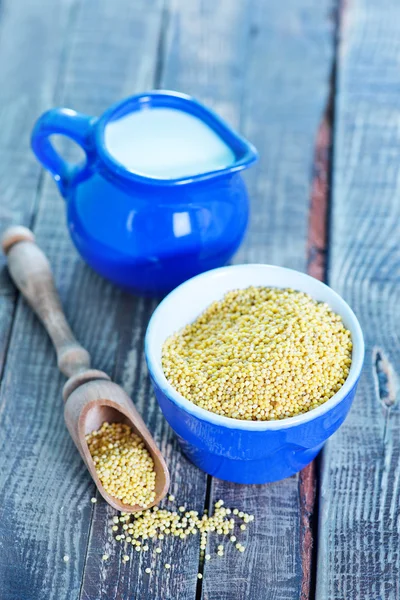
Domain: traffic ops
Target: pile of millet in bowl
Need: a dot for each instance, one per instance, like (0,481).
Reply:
(260,354)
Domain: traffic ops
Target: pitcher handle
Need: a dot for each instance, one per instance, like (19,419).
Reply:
(74,125)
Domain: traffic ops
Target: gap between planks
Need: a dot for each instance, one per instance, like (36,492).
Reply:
(317,249)
(317,254)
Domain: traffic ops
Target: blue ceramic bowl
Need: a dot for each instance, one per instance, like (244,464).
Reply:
(232,449)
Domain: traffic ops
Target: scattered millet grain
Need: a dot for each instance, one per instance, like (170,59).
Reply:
(123,463)
(66,558)
(146,525)
(260,354)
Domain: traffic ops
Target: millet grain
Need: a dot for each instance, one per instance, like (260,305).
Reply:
(260,354)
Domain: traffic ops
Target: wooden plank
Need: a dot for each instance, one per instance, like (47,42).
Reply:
(29,81)
(44,488)
(278,113)
(28,88)
(289,53)
(360,487)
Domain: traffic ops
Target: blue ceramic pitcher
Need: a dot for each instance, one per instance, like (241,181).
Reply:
(146,233)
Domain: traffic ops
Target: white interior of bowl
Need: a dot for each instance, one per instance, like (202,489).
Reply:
(187,301)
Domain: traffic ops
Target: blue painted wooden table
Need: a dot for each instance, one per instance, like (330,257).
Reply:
(316,87)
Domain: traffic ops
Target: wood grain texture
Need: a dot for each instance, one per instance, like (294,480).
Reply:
(318,219)
(31,273)
(44,487)
(29,80)
(308,483)
(359,541)
(289,52)
(28,87)
(284,54)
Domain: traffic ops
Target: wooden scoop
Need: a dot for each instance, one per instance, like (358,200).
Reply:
(90,397)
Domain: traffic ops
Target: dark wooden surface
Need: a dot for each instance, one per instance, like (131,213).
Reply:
(270,68)
(359,536)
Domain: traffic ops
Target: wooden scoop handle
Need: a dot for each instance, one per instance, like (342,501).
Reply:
(31,273)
